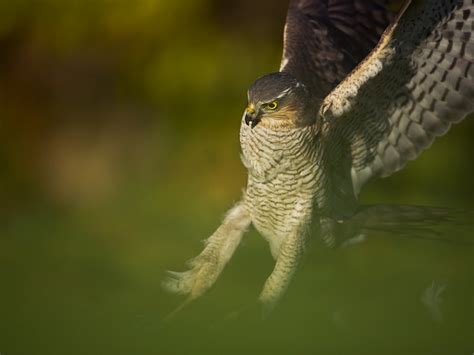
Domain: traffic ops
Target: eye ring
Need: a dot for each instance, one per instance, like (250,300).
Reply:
(272,105)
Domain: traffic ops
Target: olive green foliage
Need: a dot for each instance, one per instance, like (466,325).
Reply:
(119,153)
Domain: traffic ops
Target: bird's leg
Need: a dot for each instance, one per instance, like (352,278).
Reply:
(290,253)
(206,267)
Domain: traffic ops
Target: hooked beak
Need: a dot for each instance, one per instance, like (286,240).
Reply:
(251,117)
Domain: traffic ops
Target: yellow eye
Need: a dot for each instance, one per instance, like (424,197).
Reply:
(272,105)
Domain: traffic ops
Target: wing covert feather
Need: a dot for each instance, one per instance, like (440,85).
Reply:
(408,91)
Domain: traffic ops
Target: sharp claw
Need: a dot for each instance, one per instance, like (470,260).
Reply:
(178,309)
(178,282)
(191,263)
(170,285)
(174,274)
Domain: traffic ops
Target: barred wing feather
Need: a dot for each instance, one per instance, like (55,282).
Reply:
(416,83)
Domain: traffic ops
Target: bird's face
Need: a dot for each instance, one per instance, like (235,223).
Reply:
(277,100)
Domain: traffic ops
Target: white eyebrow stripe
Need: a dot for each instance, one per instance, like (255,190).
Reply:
(283,93)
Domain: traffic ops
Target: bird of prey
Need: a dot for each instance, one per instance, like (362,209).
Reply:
(362,89)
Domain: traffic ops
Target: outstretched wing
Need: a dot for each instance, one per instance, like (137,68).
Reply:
(408,91)
(325,39)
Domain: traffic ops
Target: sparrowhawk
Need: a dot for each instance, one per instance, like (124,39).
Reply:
(361,90)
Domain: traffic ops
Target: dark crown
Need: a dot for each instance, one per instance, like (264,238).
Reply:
(270,86)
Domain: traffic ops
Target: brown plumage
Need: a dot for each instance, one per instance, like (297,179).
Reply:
(330,120)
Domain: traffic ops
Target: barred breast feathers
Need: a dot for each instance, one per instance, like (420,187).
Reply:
(267,152)
(284,177)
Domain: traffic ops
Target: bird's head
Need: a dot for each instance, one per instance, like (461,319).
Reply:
(278,100)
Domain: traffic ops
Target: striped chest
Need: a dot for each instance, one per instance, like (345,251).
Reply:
(283,177)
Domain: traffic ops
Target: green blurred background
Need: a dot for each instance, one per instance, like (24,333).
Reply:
(119,153)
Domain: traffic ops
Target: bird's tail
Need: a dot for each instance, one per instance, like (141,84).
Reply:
(420,222)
